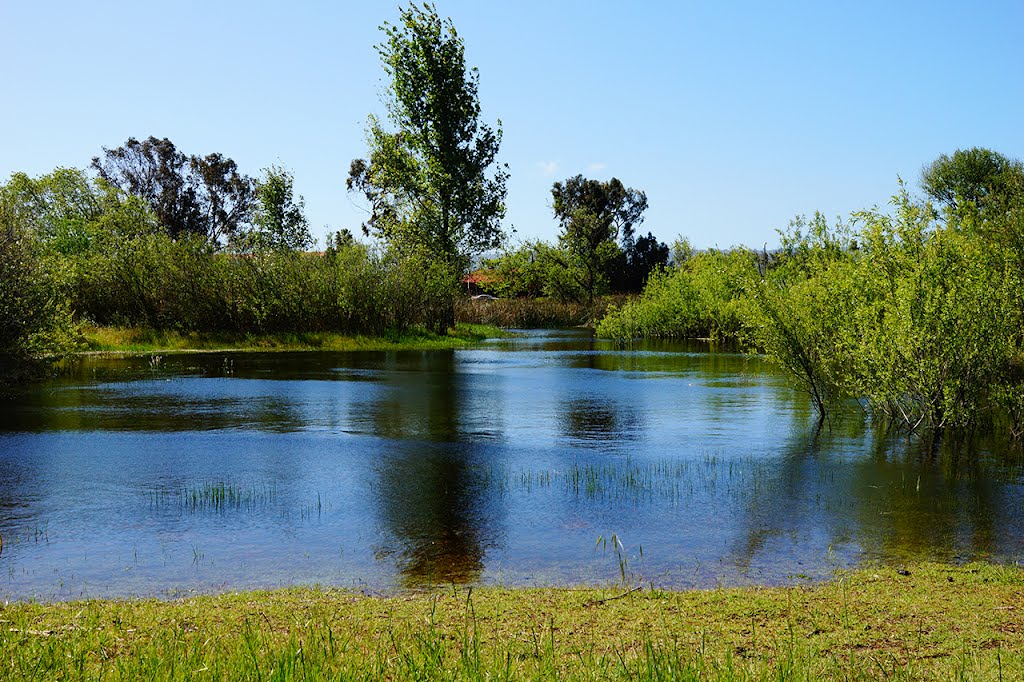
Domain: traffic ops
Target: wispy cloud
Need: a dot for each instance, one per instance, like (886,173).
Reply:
(548,168)
(597,166)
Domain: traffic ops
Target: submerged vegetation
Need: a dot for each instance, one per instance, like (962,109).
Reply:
(918,622)
(915,314)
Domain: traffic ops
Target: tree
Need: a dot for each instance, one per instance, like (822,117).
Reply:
(278,218)
(429,182)
(978,175)
(225,195)
(34,317)
(637,261)
(593,216)
(71,214)
(57,207)
(204,196)
(517,271)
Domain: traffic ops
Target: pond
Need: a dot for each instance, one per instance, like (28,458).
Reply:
(545,459)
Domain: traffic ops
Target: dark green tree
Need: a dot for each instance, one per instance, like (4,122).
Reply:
(986,178)
(593,216)
(225,196)
(432,182)
(200,196)
(639,258)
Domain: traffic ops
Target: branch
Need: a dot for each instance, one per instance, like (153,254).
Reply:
(598,602)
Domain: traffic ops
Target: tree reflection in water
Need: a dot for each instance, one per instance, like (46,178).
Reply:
(430,484)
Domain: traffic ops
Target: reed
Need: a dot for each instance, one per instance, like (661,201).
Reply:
(535,313)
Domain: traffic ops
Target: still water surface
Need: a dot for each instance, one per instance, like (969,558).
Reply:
(502,464)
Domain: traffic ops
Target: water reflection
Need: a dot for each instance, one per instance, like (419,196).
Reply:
(851,493)
(495,464)
(428,489)
(433,506)
(597,421)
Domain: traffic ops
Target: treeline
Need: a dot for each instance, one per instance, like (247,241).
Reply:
(159,240)
(154,237)
(915,313)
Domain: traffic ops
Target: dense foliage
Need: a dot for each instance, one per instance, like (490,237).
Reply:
(201,196)
(75,250)
(34,318)
(915,313)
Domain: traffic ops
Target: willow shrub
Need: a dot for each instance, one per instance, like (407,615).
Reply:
(35,320)
(938,320)
(914,316)
(699,298)
(153,281)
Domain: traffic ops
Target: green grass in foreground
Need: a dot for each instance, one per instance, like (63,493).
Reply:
(938,622)
(139,340)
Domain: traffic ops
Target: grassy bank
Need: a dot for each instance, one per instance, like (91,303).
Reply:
(141,340)
(928,622)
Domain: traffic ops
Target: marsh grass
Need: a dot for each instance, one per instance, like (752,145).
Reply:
(222,497)
(142,340)
(939,622)
(535,313)
(627,479)
(218,497)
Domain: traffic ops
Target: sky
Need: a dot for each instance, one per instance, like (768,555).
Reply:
(733,117)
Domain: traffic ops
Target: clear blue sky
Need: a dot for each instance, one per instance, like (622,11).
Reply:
(733,117)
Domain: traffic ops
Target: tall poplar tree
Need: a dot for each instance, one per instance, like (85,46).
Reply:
(432,180)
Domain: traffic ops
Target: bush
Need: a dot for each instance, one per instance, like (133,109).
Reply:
(701,298)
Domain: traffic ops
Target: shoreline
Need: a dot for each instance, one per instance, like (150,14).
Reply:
(922,621)
(134,341)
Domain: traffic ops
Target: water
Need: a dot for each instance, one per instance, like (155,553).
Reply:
(523,462)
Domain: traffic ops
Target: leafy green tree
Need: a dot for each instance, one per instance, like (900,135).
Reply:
(636,263)
(977,175)
(517,272)
(72,214)
(34,317)
(593,216)
(60,208)
(201,196)
(278,220)
(429,181)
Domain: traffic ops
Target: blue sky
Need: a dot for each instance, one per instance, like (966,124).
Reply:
(731,116)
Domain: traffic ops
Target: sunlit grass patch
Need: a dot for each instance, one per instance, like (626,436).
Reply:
(925,621)
(142,340)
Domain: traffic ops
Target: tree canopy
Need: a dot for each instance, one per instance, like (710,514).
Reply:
(593,215)
(190,195)
(278,218)
(978,175)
